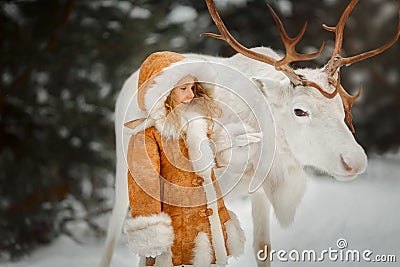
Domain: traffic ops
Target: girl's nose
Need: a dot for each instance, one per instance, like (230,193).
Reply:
(190,94)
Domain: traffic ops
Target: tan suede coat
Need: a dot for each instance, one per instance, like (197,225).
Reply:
(156,166)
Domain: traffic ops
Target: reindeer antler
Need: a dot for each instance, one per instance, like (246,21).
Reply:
(332,67)
(336,61)
(347,100)
(281,64)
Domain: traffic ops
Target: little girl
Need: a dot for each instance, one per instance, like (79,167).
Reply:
(178,214)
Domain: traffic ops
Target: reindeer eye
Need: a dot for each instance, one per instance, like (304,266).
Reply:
(300,113)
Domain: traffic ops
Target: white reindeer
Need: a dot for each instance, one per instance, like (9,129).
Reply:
(309,107)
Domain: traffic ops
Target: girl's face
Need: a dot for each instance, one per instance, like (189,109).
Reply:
(183,92)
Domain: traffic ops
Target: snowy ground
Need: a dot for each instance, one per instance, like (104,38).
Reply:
(364,212)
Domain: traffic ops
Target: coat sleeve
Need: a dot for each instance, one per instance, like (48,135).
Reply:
(143,175)
(149,231)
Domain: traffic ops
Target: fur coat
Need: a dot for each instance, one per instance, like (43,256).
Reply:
(169,206)
(178,215)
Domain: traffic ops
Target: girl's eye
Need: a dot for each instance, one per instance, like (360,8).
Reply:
(300,113)
(183,88)
(192,87)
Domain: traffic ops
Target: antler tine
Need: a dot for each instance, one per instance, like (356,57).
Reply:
(227,37)
(377,51)
(282,64)
(348,101)
(337,60)
(213,35)
(324,93)
(290,44)
(338,30)
(285,38)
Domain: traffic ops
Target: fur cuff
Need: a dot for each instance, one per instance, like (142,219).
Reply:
(236,236)
(150,236)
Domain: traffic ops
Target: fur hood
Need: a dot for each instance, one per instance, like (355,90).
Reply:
(159,89)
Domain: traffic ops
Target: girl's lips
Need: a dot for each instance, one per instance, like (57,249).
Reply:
(186,101)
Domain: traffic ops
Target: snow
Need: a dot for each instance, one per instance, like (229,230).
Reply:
(177,42)
(364,212)
(114,25)
(6,77)
(124,6)
(285,7)
(181,14)
(223,4)
(392,77)
(13,12)
(42,95)
(331,2)
(152,38)
(383,15)
(140,13)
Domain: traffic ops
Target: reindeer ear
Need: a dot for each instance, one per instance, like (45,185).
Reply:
(271,88)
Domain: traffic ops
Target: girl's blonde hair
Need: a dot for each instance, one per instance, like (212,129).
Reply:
(202,99)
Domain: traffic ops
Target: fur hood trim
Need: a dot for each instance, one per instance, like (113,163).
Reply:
(163,83)
(166,80)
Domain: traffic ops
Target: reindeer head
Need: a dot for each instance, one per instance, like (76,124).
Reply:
(312,102)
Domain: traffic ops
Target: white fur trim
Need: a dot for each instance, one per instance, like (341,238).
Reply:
(218,240)
(167,79)
(149,236)
(202,251)
(200,151)
(157,93)
(236,236)
(141,222)
(163,126)
(203,162)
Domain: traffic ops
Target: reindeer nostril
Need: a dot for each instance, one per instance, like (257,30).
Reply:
(345,165)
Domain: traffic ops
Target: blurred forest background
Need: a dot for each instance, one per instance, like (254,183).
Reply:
(63,63)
